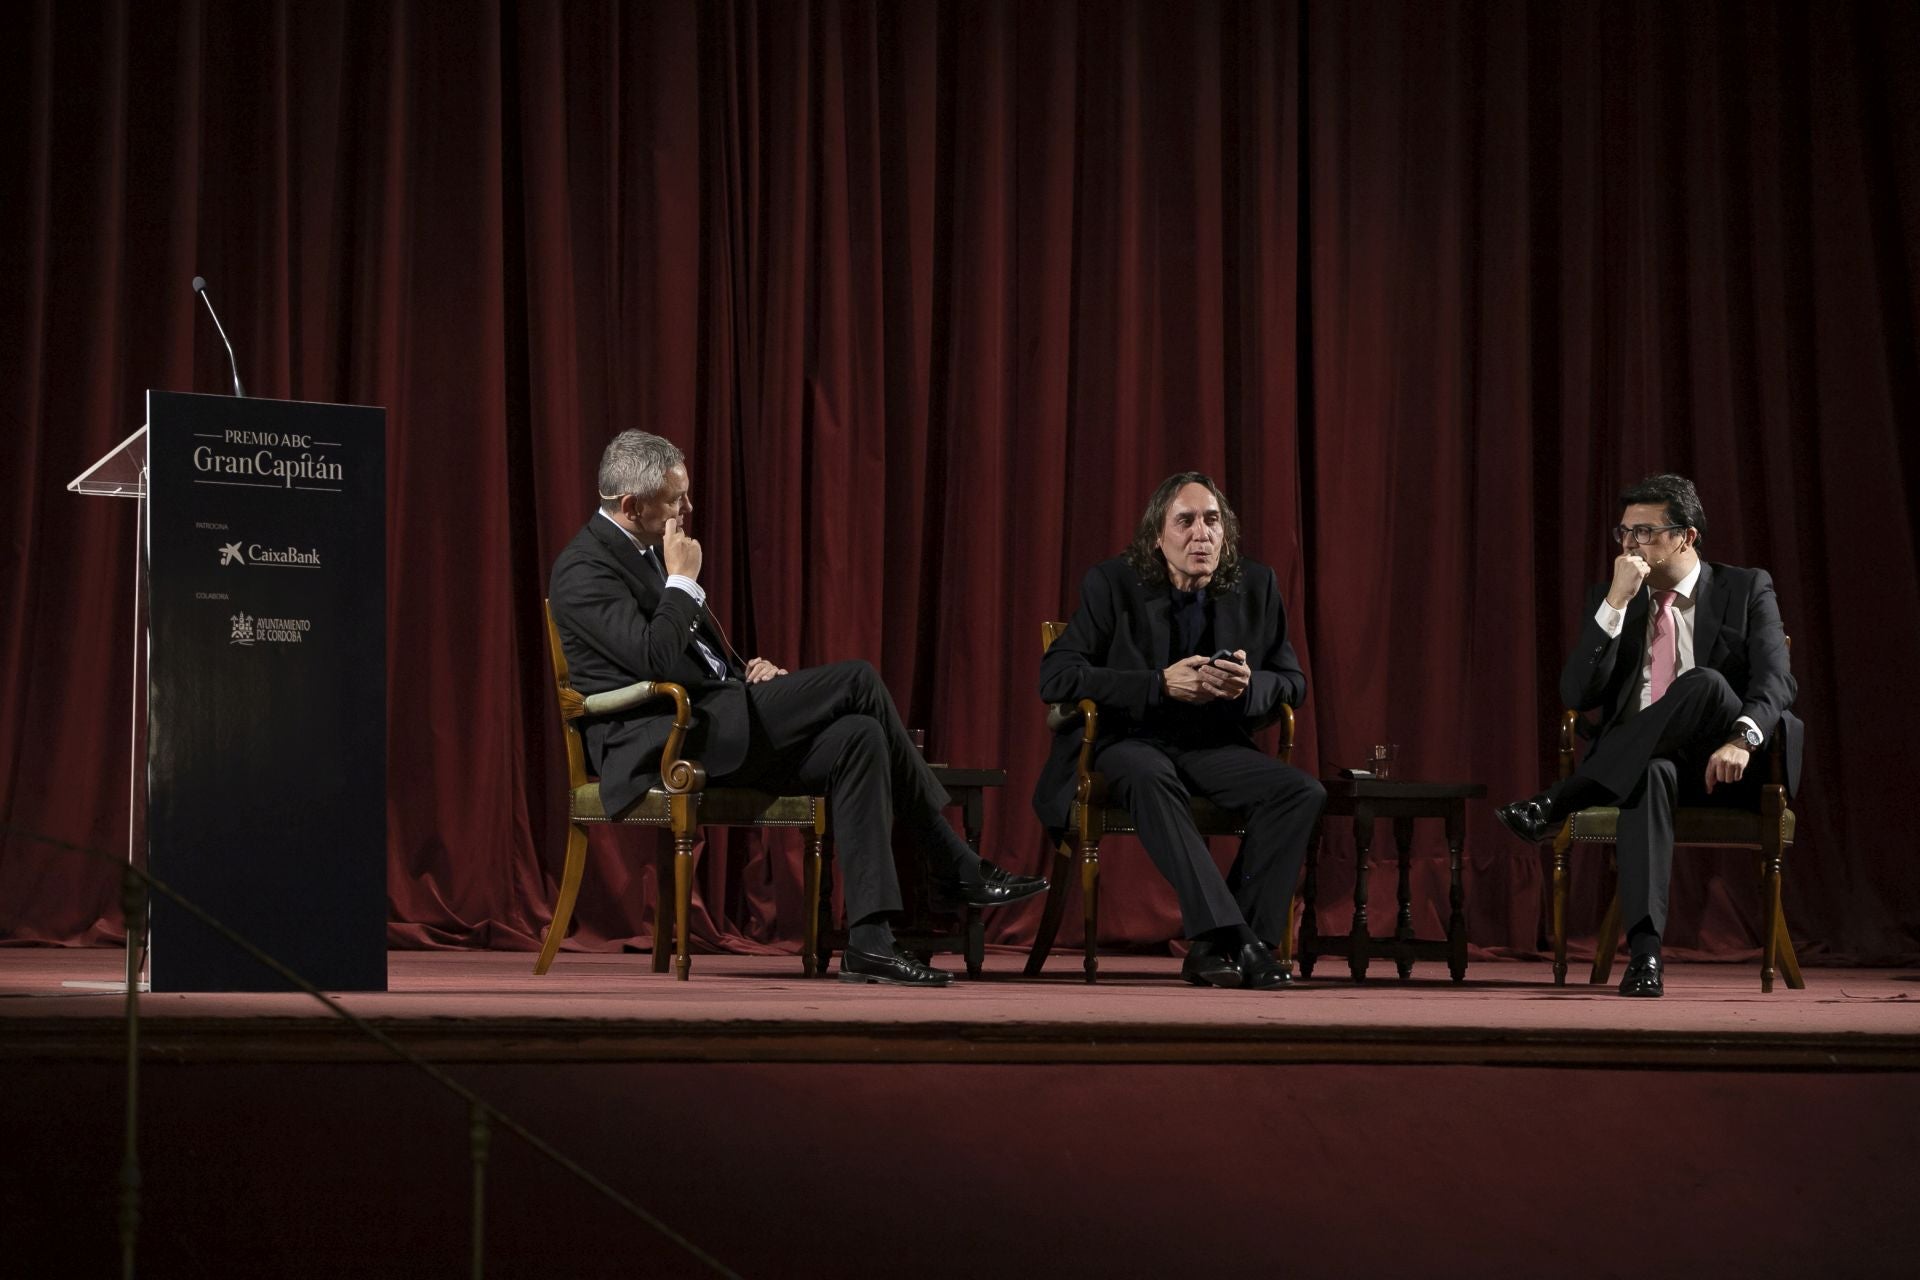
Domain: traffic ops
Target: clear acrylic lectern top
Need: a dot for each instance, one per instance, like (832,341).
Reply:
(122,473)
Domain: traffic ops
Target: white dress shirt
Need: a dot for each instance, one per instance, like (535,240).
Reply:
(1613,621)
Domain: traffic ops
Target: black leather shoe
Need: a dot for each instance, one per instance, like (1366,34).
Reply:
(901,968)
(1531,820)
(997,888)
(1643,977)
(1208,966)
(1261,970)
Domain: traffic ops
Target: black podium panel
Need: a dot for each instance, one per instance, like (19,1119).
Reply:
(267,690)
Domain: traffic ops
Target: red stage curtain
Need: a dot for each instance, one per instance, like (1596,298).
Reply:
(932,295)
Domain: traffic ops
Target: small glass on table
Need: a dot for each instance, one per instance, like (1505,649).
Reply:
(1380,761)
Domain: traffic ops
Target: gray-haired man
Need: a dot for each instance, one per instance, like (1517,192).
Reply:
(627,599)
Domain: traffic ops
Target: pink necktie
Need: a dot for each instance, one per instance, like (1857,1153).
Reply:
(1666,652)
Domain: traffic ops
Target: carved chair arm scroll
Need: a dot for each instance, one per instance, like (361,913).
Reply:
(676,774)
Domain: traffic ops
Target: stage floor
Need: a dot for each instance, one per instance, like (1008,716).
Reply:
(488,1007)
(1498,1128)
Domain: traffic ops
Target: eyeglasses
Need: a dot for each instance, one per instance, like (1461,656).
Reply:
(1642,533)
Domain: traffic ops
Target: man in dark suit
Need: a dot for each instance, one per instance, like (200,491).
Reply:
(1687,663)
(1183,644)
(629,606)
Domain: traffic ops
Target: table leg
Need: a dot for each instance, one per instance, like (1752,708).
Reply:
(1456,894)
(1357,931)
(1403,922)
(971,822)
(825,918)
(1309,941)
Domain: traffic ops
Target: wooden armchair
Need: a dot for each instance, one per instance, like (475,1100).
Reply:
(683,803)
(1768,831)
(1093,819)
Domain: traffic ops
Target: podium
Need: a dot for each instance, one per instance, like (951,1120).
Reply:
(260,663)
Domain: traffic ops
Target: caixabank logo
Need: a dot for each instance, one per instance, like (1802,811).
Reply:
(259,557)
(249,630)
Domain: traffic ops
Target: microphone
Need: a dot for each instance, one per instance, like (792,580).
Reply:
(200,287)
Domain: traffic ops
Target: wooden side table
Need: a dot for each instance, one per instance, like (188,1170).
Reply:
(1365,800)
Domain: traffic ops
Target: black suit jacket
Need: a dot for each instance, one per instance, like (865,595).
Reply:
(619,624)
(1116,647)
(1736,631)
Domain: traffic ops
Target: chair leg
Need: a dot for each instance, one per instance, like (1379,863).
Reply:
(1561,845)
(810,908)
(823,910)
(1090,907)
(663,908)
(685,813)
(1308,945)
(682,903)
(1063,854)
(1606,942)
(1789,962)
(1286,937)
(1772,854)
(1770,940)
(569,890)
(974,925)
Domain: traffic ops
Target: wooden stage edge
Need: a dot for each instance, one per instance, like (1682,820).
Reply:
(187,1041)
(487,1007)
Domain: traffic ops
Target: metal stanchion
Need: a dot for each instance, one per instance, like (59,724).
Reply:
(133,905)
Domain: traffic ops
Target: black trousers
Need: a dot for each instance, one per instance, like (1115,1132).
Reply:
(1647,766)
(1154,781)
(834,730)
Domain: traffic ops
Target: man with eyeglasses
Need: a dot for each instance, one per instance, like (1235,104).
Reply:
(1686,661)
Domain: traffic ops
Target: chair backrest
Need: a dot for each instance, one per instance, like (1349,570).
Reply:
(1051,631)
(572,704)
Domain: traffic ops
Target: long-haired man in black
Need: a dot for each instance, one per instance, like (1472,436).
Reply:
(1177,722)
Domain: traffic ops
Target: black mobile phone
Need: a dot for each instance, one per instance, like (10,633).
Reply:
(1223,655)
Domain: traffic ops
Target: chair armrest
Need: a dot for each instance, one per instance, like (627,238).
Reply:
(600,704)
(1776,753)
(1091,788)
(1061,717)
(676,774)
(1286,734)
(1569,724)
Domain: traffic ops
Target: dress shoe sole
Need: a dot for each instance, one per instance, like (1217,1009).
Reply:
(1274,984)
(942,981)
(1225,978)
(1644,993)
(941,902)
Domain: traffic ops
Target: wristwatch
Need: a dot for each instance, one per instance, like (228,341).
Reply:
(1747,736)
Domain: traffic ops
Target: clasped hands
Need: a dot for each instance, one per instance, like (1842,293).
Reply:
(1199,680)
